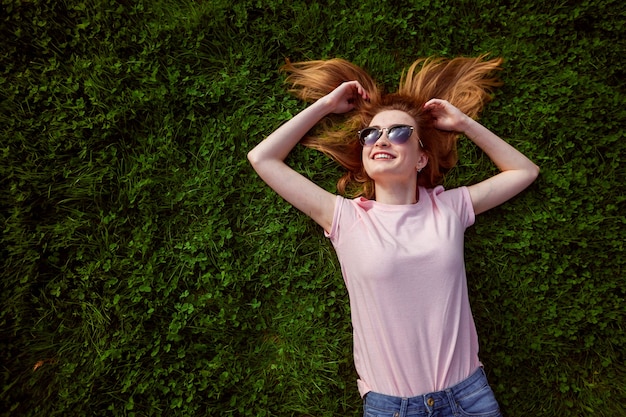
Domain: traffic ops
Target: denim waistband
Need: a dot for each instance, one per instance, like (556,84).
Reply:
(431,401)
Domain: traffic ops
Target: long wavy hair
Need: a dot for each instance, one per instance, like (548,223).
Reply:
(467,83)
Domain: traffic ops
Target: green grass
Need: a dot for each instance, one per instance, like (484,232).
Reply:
(146,270)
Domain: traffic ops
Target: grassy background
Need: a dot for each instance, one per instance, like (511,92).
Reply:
(146,270)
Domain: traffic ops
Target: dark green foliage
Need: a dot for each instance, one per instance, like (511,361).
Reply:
(146,270)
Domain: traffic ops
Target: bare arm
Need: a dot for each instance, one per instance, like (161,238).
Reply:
(516,171)
(268,157)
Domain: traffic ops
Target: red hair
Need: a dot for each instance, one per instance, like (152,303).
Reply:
(467,83)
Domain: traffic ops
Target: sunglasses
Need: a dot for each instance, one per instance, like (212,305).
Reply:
(397,134)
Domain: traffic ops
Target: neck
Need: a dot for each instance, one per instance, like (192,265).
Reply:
(397,195)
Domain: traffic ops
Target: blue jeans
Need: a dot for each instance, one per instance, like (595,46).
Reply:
(471,397)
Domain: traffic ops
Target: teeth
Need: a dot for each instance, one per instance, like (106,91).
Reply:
(382,156)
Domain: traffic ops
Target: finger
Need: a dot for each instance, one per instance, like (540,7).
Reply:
(435,102)
(357,90)
(363,93)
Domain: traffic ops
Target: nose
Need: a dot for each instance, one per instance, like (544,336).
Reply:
(383,140)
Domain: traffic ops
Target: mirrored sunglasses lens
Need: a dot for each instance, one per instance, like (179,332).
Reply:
(369,136)
(400,134)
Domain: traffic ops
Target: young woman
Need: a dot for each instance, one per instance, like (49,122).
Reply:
(400,241)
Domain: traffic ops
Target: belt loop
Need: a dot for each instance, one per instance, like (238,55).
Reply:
(452,402)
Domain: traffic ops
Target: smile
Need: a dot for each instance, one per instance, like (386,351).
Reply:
(383,156)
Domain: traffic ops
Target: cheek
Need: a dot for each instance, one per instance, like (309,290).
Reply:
(365,162)
(364,156)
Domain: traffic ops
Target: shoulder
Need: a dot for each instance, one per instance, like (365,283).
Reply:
(457,199)
(350,213)
(358,204)
(452,194)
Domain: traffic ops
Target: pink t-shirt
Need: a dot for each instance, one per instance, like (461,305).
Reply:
(404,269)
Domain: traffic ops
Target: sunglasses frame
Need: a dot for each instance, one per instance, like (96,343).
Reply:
(381,130)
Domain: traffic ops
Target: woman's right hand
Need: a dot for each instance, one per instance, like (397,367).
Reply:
(343,98)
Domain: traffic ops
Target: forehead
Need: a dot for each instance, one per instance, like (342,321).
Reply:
(392,117)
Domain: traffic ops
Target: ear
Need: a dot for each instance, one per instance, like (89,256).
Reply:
(422,162)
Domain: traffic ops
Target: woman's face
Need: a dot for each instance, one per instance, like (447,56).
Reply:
(385,160)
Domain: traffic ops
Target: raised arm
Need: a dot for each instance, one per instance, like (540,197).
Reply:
(516,171)
(268,157)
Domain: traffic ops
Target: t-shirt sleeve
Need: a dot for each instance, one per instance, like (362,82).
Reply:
(460,201)
(332,233)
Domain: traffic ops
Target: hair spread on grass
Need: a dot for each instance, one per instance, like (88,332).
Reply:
(465,82)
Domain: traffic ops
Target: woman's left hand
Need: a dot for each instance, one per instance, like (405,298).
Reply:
(445,116)
(516,170)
